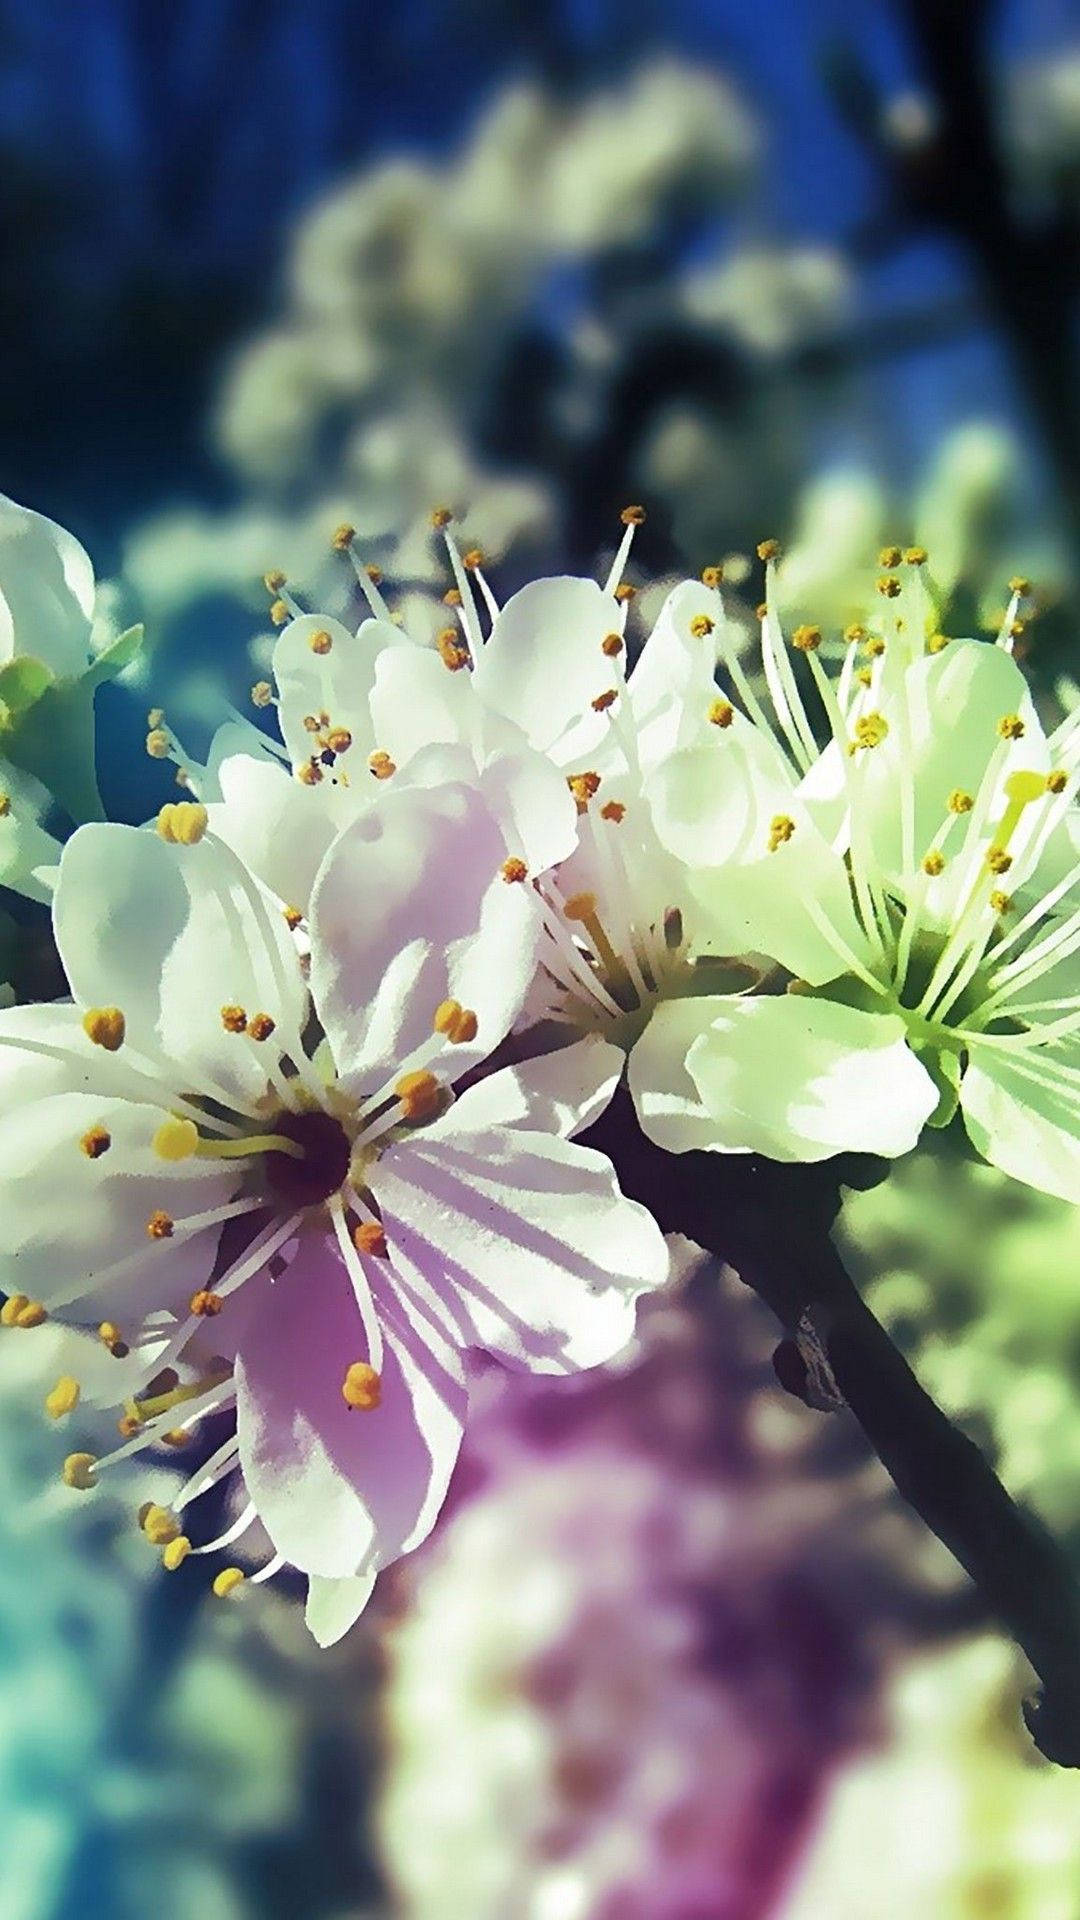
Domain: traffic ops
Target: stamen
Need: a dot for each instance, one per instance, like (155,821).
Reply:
(514,871)
(183,823)
(362,1294)
(78,1471)
(161,1225)
(64,1397)
(227,1581)
(781,829)
(422,1096)
(176,1552)
(95,1142)
(381,765)
(106,1027)
(362,1387)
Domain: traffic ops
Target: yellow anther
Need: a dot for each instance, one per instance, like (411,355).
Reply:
(452,597)
(11,1309)
(612,810)
(889,586)
(584,787)
(205,1305)
(260,1026)
(612,645)
(374,573)
(381,765)
(64,1397)
(624,592)
(95,1142)
(473,558)
(183,823)
(5,805)
(33,1314)
(870,731)
(159,1525)
(369,1238)
(1011,727)
(712,577)
(280,613)
(916,556)
(262,694)
(156,717)
(934,863)
(129,1426)
(106,1027)
(875,646)
(806,639)
(781,828)
(176,1437)
(78,1471)
(889,557)
(998,860)
(176,1139)
(453,652)
(513,870)
(1057,781)
(339,740)
(458,1023)
(1024,788)
(310,723)
(274,580)
(580,906)
(227,1581)
(176,1552)
(441,517)
(960,801)
(854,634)
(157,743)
(234,1019)
(361,1387)
(633,516)
(342,537)
(701,626)
(320,642)
(309,774)
(768,550)
(864,677)
(721,713)
(1001,902)
(421,1095)
(1019,584)
(160,1225)
(761,610)
(293,917)
(937,643)
(605,700)
(110,1336)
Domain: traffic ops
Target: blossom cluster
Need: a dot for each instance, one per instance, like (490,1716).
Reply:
(339,1012)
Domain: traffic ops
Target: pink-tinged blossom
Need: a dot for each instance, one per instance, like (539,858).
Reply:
(275,1172)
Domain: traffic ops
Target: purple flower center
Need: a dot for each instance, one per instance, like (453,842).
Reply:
(296,1183)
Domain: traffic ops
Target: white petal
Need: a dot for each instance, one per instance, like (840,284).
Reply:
(416,702)
(669,1107)
(410,909)
(341,1491)
(673,684)
(333,1606)
(1021,1123)
(544,662)
(560,1092)
(165,933)
(82,1067)
(713,807)
(280,828)
(28,852)
(46,591)
(799,1078)
(67,1218)
(338,681)
(520,1243)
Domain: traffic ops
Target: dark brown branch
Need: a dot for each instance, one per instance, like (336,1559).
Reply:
(773,1225)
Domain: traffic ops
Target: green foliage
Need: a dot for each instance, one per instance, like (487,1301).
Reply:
(47,725)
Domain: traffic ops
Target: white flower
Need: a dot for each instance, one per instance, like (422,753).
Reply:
(532,701)
(914,878)
(28,852)
(200,1132)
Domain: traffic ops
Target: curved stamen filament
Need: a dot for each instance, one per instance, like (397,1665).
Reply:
(361,1289)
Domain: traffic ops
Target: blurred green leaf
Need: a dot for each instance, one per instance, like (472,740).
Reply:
(114,658)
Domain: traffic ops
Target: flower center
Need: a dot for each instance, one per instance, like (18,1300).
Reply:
(318,1171)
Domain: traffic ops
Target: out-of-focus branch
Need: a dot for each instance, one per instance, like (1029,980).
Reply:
(773,1223)
(954,178)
